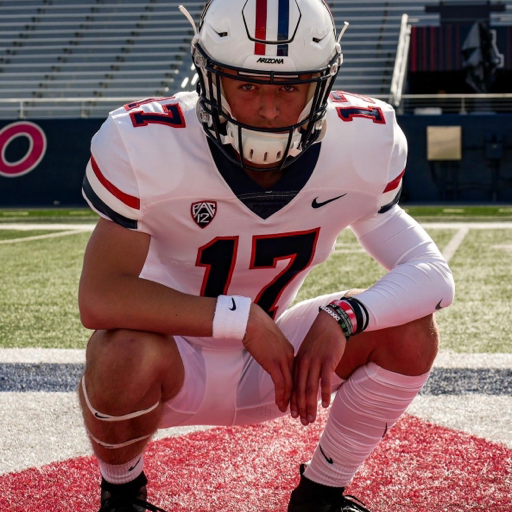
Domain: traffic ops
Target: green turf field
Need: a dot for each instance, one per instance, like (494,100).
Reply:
(428,213)
(39,278)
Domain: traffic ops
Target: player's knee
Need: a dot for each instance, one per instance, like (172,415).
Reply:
(425,332)
(417,343)
(142,355)
(125,367)
(409,349)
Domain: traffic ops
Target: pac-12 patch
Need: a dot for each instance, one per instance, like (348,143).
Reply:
(203,212)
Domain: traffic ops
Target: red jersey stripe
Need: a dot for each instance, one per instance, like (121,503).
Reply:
(261,26)
(393,184)
(131,201)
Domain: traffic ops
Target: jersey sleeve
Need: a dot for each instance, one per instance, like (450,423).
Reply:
(110,184)
(395,171)
(419,281)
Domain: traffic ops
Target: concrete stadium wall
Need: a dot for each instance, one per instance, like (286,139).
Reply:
(42,162)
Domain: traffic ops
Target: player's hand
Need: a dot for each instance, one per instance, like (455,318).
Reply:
(270,348)
(318,357)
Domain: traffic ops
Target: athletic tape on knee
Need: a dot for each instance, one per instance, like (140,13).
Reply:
(107,417)
(111,446)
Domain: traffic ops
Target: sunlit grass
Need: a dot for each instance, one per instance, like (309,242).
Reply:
(39,284)
(38,303)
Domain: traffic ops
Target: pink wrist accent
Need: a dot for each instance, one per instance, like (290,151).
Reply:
(343,304)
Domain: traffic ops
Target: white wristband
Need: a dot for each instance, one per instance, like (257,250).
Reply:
(231,316)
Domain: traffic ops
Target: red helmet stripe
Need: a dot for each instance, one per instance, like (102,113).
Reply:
(261,26)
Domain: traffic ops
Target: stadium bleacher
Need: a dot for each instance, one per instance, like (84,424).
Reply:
(106,50)
(90,49)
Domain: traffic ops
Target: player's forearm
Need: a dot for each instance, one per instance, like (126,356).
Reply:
(419,281)
(127,302)
(408,292)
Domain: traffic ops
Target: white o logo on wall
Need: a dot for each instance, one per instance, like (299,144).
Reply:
(34,154)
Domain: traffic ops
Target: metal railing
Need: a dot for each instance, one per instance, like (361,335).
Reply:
(401,62)
(60,107)
(419,104)
(455,103)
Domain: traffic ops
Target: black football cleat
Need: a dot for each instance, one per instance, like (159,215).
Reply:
(309,496)
(130,497)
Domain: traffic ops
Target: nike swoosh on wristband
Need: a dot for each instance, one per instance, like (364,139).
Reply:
(316,204)
(330,461)
(438,306)
(234,305)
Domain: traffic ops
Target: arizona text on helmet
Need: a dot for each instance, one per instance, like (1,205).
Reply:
(285,42)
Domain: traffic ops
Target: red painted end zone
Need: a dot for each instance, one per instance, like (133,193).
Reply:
(419,467)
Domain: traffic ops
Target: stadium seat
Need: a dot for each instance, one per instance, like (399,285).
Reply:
(71,48)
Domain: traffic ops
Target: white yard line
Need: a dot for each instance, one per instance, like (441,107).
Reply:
(40,237)
(470,225)
(41,355)
(479,415)
(46,227)
(445,359)
(455,242)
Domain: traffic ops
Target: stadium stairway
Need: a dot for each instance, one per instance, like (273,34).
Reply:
(109,51)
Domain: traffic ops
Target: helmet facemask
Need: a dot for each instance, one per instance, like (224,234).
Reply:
(273,148)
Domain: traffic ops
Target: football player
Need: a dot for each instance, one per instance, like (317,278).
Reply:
(214,207)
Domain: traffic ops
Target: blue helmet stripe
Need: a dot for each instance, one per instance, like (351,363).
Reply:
(283,26)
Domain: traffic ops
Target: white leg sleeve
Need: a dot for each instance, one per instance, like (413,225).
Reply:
(366,406)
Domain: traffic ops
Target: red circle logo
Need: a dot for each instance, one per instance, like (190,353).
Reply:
(34,154)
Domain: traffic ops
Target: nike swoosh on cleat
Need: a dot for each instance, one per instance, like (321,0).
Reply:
(316,204)
(329,460)
(234,305)
(100,416)
(438,306)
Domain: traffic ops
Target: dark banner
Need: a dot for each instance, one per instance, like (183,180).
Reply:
(483,174)
(42,162)
(440,48)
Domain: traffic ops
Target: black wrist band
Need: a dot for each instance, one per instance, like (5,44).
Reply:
(360,311)
(340,317)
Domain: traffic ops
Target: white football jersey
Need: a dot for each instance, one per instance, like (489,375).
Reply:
(152,170)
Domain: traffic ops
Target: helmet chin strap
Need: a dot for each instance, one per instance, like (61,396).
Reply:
(262,147)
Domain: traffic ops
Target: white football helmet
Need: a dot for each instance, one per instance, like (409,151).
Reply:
(265,42)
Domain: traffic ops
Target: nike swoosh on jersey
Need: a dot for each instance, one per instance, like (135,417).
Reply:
(316,204)
(438,305)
